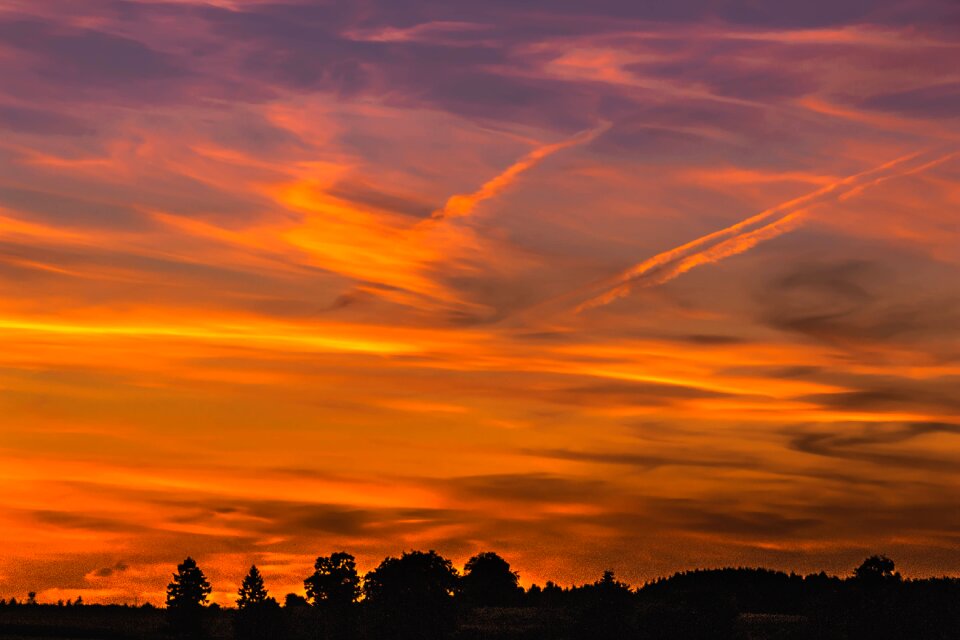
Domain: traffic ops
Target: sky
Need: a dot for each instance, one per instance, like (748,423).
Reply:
(595,285)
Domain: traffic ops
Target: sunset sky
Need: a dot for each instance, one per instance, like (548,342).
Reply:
(643,286)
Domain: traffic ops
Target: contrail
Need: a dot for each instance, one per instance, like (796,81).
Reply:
(736,238)
(461,205)
(909,172)
(730,247)
(672,254)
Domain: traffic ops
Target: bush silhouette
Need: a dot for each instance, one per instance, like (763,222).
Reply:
(295,601)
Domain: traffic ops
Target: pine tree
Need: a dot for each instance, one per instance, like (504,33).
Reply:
(186,596)
(189,588)
(252,591)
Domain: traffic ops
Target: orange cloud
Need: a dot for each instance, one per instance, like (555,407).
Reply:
(462,205)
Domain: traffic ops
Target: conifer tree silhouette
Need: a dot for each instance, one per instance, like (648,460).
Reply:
(252,591)
(259,616)
(186,596)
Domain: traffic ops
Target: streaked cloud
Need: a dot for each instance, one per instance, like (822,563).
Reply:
(463,205)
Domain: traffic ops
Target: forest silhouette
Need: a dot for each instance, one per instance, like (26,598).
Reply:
(421,596)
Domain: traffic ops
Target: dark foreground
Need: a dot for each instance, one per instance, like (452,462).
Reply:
(750,604)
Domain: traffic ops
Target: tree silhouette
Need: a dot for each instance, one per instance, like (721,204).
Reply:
(252,591)
(412,596)
(489,582)
(607,609)
(872,605)
(334,582)
(189,588)
(876,568)
(334,588)
(259,616)
(186,595)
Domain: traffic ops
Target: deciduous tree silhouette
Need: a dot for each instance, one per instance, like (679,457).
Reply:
(186,597)
(489,582)
(873,605)
(411,597)
(876,568)
(334,588)
(334,582)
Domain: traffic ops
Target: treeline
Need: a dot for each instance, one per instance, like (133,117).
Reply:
(421,596)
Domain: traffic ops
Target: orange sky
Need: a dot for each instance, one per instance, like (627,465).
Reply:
(615,287)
